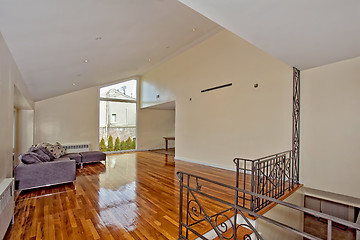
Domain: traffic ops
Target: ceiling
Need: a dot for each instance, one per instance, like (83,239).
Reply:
(303,34)
(63,46)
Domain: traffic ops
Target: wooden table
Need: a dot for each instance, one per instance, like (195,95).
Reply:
(167,141)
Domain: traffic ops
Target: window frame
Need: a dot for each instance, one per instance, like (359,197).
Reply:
(136,101)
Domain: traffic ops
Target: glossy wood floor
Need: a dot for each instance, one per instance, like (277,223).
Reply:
(170,151)
(132,196)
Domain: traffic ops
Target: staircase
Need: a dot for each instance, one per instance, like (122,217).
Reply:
(260,185)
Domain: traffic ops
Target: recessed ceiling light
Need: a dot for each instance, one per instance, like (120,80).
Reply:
(149,59)
(86,61)
(74,84)
(194,29)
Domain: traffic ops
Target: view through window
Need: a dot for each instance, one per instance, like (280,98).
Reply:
(117,130)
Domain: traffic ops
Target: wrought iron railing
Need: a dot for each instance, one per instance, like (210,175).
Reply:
(205,209)
(208,211)
(270,176)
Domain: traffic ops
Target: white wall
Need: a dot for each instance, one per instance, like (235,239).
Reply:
(69,119)
(73,119)
(330,127)
(9,76)
(24,133)
(239,121)
(153,125)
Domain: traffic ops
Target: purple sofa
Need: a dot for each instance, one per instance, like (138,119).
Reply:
(60,170)
(39,167)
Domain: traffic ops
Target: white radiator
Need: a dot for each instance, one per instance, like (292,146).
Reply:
(75,148)
(7,204)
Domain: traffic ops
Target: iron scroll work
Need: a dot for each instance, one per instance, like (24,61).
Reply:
(258,183)
(207,211)
(197,199)
(296,122)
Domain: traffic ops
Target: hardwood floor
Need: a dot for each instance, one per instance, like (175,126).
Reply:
(134,196)
(170,151)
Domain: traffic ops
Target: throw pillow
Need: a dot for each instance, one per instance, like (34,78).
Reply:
(47,153)
(43,144)
(56,150)
(60,148)
(41,154)
(29,158)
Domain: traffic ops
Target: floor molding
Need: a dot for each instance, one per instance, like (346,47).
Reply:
(205,164)
(134,150)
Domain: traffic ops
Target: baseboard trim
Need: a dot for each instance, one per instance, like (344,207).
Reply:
(122,151)
(135,150)
(156,149)
(204,163)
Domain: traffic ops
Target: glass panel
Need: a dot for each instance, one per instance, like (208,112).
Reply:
(113,118)
(125,91)
(117,119)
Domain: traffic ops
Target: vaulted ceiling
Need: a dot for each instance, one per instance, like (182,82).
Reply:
(303,34)
(63,46)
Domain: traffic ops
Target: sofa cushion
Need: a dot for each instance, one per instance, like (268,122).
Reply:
(35,155)
(43,154)
(29,158)
(47,153)
(92,156)
(75,156)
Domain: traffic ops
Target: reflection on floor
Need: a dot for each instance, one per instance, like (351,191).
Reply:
(170,151)
(132,196)
(319,229)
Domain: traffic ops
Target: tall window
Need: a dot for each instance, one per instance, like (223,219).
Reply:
(118,117)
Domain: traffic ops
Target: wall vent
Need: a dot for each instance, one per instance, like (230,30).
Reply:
(218,87)
(75,148)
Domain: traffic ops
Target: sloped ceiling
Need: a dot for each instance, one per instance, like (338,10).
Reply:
(50,40)
(304,34)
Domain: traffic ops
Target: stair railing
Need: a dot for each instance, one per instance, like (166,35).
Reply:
(199,196)
(270,176)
